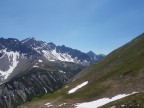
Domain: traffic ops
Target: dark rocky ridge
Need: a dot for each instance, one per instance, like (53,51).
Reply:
(35,82)
(12,44)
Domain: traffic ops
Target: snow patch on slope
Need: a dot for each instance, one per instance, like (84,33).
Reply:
(53,55)
(63,104)
(13,58)
(61,71)
(40,61)
(101,102)
(36,66)
(48,105)
(78,87)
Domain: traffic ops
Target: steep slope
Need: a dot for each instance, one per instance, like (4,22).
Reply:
(121,72)
(15,57)
(35,82)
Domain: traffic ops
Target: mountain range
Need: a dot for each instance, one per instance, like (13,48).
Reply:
(31,68)
(15,54)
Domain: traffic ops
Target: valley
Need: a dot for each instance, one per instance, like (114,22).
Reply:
(71,53)
(119,73)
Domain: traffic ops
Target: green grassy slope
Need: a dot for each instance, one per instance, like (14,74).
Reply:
(122,71)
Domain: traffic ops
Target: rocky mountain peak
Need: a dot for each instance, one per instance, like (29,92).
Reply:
(91,53)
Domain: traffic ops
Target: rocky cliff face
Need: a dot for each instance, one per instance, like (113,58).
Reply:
(35,82)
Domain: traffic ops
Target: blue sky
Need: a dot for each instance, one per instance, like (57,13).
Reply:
(97,25)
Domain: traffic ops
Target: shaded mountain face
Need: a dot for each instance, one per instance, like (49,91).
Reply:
(31,68)
(44,77)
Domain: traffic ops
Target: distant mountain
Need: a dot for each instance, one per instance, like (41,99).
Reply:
(31,67)
(62,53)
(94,57)
(120,72)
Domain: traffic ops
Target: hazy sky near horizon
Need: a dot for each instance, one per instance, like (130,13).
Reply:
(97,25)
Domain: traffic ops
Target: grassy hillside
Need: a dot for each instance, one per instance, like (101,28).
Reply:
(122,71)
